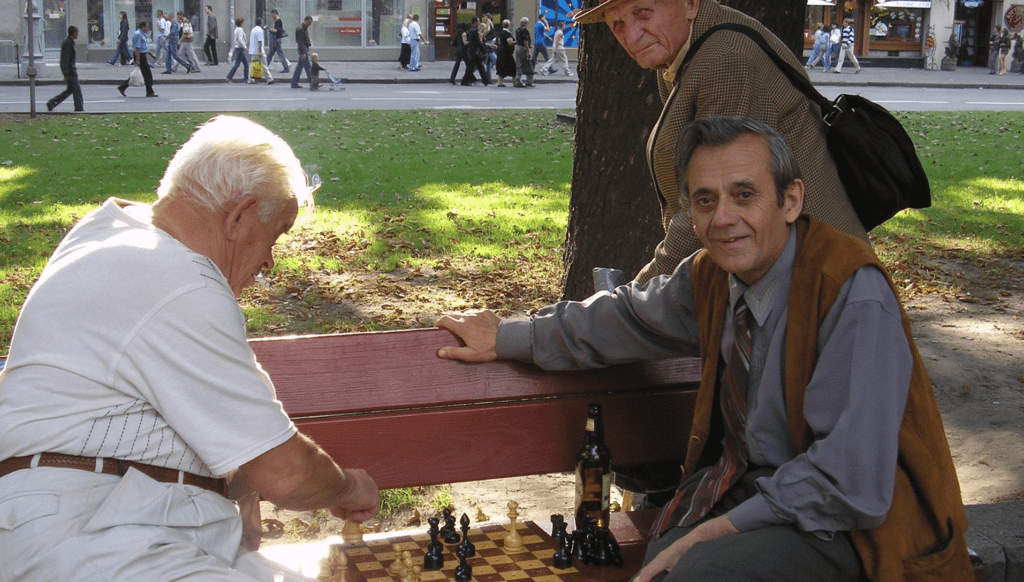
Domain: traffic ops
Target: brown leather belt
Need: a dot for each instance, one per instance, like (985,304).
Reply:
(110,466)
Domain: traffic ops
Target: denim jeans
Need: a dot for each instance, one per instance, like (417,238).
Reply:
(240,60)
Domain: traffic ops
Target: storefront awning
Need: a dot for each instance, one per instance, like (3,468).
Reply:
(903,4)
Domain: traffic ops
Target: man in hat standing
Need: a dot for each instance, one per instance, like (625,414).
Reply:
(729,75)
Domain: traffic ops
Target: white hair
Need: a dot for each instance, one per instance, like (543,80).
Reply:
(229,158)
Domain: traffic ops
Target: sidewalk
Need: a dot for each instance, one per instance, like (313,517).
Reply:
(439,72)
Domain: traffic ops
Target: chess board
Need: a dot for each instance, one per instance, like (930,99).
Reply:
(369,561)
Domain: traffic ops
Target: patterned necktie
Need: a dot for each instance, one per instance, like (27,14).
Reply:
(694,500)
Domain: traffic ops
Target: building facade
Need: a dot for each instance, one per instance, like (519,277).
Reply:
(354,30)
(896,32)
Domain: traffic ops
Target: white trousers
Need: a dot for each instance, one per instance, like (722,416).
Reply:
(76,526)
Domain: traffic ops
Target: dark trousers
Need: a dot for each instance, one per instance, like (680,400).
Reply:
(460,57)
(73,88)
(405,55)
(473,63)
(780,552)
(210,50)
(542,49)
(301,65)
(147,76)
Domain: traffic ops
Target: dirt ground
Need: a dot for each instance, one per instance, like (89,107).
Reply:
(967,320)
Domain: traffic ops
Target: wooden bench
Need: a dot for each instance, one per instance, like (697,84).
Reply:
(386,403)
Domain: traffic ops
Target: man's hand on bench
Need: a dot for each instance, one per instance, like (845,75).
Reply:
(478,330)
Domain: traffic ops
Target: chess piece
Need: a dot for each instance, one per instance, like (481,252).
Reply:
(558,526)
(463,572)
(408,569)
(513,541)
(466,544)
(396,566)
(580,550)
(614,554)
(448,533)
(599,556)
(351,532)
(562,558)
(434,558)
(333,568)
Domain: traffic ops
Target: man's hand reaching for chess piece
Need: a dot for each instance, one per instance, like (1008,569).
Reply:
(479,330)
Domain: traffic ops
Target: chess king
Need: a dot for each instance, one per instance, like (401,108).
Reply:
(827,458)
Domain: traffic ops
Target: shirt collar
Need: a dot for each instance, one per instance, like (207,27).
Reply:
(760,296)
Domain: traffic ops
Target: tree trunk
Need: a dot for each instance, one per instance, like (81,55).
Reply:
(614,214)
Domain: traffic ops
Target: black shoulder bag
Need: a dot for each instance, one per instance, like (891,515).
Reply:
(875,158)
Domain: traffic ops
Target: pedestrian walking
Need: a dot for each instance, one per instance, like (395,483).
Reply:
(524,67)
(559,53)
(186,48)
(540,39)
(846,50)
(405,54)
(210,46)
(256,44)
(302,43)
(173,37)
(820,44)
(140,47)
(69,69)
(415,40)
(122,42)
(275,37)
(161,27)
(238,46)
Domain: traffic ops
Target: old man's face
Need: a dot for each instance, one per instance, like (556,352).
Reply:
(652,31)
(735,208)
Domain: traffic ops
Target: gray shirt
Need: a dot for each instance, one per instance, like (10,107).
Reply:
(853,404)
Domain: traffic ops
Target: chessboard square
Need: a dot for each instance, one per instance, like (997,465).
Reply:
(552,577)
(494,577)
(544,554)
(527,564)
(532,539)
(486,545)
(370,559)
(420,537)
(381,579)
(368,568)
(359,551)
(498,559)
(514,575)
(497,535)
(432,575)
(535,572)
(484,569)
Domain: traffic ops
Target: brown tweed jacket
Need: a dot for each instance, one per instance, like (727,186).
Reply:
(730,75)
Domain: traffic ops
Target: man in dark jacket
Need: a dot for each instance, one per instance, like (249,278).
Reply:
(476,52)
(210,47)
(302,43)
(70,72)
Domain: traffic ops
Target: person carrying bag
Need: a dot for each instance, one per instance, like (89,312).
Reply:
(875,158)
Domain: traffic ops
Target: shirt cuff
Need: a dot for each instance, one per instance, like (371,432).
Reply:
(514,340)
(754,513)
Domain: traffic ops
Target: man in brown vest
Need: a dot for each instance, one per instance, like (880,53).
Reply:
(816,450)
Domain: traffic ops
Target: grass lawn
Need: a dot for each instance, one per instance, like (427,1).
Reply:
(446,209)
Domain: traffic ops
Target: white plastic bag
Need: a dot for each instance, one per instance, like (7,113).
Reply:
(135,80)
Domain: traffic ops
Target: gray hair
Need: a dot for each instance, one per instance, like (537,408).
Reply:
(229,158)
(720,131)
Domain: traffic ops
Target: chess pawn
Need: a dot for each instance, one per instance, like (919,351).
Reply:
(337,562)
(562,559)
(463,572)
(580,549)
(513,541)
(351,532)
(450,535)
(396,567)
(433,559)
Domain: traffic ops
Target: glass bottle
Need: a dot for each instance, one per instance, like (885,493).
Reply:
(593,473)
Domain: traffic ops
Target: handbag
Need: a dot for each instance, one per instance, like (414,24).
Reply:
(256,70)
(875,158)
(135,79)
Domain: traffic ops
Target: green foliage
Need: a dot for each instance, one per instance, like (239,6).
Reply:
(442,498)
(393,501)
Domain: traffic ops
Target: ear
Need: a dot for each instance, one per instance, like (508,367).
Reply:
(235,214)
(793,200)
(692,6)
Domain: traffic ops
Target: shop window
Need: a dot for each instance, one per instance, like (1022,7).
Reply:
(896,24)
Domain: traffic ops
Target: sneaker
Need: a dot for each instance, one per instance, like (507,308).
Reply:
(49,106)
(857,71)
(296,86)
(151,95)
(270,82)
(121,88)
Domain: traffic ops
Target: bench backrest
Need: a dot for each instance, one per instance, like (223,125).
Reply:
(386,403)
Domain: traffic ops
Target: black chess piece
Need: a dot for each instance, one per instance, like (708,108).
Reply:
(580,550)
(558,526)
(448,533)
(466,544)
(612,552)
(434,558)
(599,555)
(463,572)
(562,558)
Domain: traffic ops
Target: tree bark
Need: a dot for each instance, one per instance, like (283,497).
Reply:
(614,213)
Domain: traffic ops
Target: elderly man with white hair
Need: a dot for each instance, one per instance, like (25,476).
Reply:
(134,411)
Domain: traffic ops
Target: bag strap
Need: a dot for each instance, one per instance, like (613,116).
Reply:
(798,80)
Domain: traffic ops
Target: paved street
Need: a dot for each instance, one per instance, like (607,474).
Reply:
(381,85)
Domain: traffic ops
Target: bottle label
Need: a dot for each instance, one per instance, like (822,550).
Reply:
(606,491)
(590,425)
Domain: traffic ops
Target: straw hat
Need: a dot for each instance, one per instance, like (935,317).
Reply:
(596,13)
